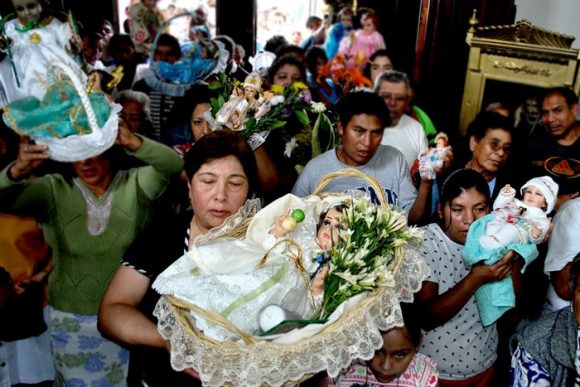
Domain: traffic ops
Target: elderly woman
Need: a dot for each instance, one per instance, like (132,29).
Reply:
(88,219)
(489,139)
(221,170)
(136,111)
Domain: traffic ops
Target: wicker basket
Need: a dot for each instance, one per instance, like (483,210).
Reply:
(252,361)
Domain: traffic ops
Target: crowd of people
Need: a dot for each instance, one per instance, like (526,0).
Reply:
(117,219)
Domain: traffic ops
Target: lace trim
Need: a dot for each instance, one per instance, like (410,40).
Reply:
(249,209)
(98,209)
(355,335)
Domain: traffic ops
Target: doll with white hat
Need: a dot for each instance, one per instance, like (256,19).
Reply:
(521,221)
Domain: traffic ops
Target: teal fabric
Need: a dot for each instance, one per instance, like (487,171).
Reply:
(59,114)
(495,298)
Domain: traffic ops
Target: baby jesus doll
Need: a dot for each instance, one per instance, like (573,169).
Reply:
(31,43)
(233,113)
(514,224)
(275,263)
(523,221)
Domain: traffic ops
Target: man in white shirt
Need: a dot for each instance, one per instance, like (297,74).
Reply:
(405,133)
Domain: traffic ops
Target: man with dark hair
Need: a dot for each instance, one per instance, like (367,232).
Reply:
(362,119)
(556,150)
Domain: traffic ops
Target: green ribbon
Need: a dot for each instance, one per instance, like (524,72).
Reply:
(255,293)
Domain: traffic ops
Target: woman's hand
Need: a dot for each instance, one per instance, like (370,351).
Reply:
(482,273)
(30,156)
(127,139)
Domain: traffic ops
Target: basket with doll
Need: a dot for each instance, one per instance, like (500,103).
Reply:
(303,285)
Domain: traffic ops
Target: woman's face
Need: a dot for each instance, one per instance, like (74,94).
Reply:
(459,213)
(27,10)
(199,125)
(379,65)
(287,74)
(491,152)
(217,190)
(132,114)
(94,172)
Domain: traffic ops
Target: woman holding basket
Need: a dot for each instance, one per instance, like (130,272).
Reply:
(221,170)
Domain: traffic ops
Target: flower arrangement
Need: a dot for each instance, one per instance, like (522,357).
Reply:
(345,74)
(360,261)
(276,108)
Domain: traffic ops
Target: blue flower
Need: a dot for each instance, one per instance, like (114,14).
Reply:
(86,318)
(102,382)
(75,383)
(95,362)
(124,356)
(89,342)
(59,338)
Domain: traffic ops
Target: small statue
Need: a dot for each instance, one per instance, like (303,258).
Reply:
(233,113)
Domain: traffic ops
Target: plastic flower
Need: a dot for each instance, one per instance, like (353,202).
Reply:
(275,100)
(290,146)
(318,107)
(361,259)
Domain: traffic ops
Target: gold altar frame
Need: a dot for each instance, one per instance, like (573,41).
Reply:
(521,54)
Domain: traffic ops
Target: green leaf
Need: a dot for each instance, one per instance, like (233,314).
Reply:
(277,124)
(250,123)
(302,117)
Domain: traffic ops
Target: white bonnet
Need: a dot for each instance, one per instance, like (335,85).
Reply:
(547,186)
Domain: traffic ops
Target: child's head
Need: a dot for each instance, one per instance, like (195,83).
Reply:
(369,21)
(345,16)
(399,347)
(540,192)
(328,225)
(441,140)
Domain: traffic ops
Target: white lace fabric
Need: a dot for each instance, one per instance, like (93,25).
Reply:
(352,333)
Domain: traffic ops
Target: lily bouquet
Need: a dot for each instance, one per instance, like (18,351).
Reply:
(361,260)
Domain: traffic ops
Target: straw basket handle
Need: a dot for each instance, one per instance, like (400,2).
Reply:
(351,172)
(80,89)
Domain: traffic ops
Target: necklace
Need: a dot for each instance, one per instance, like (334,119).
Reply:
(98,209)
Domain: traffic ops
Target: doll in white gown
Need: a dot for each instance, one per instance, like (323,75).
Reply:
(237,278)
(36,39)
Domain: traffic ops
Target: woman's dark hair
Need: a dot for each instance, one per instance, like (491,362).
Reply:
(288,59)
(218,145)
(412,322)
(362,102)
(274,43)
(169,40)
(375,55)
(486,121)
(313,53)
(198,93)
(119,39)
(459,182)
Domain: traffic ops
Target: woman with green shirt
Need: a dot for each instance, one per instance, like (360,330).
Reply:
(88,220)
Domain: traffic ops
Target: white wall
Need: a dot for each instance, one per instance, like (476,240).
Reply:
(561,16)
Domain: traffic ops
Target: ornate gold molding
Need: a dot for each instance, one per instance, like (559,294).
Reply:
(524,32)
